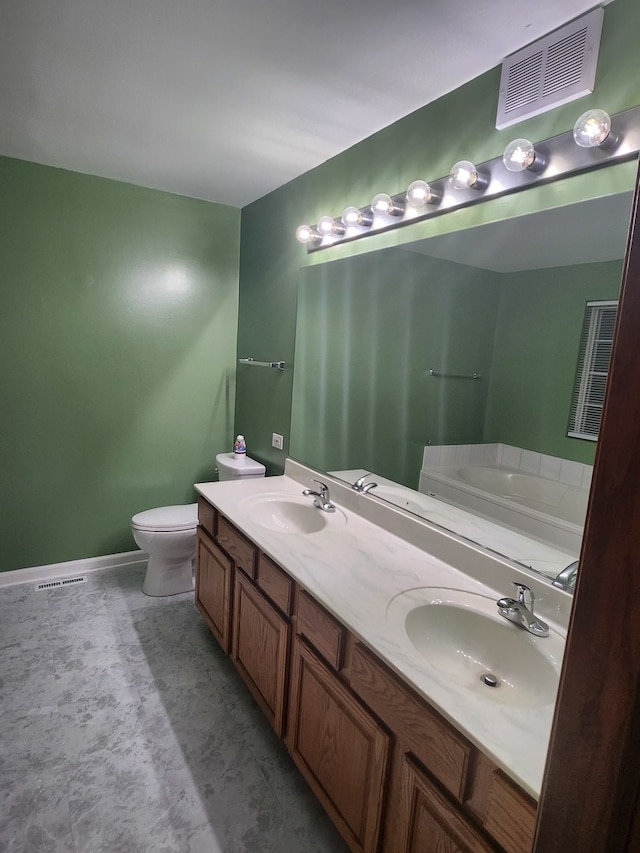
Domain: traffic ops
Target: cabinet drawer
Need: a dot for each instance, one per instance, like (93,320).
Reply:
(237,546)
(429,738)
(511,815)
(324,632)
(275,583)
(206,516)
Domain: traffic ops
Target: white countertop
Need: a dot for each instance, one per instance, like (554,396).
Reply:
(540,556)
(356,568)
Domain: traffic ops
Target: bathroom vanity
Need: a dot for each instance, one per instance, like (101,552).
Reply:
(404,753)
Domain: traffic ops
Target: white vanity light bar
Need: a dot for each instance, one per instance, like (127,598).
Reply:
(558,157)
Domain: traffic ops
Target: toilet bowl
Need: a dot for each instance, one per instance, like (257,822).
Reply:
(168,535)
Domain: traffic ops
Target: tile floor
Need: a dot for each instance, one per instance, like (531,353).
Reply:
(125,729)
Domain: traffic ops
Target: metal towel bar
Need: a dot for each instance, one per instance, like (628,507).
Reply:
(279,365)
(439,375)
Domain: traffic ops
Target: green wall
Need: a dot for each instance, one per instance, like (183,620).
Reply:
(117,345)
(424,144)
(538,330)
(369,330)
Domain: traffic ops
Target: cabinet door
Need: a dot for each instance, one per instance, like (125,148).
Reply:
(214,575)
(260,649)
(429,822)
(339,747)
(506,812)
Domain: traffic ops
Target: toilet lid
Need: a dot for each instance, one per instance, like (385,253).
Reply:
(181,517)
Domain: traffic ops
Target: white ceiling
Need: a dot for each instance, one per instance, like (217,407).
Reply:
(583,233)
(228,99)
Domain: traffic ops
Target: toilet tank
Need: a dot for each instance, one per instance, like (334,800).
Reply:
(231,467)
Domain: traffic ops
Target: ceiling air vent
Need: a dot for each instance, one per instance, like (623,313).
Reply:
(553,70)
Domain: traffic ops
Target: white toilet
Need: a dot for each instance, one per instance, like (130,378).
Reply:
(168,535)
(232,467)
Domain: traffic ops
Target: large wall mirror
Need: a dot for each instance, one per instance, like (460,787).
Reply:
(444,369)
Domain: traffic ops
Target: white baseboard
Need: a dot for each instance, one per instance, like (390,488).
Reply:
(36,574)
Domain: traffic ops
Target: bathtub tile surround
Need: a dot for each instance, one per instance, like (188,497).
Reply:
(550,467)
(126,730)
(571,473)
(505,485)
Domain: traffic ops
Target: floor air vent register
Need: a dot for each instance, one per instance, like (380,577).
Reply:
(60,582)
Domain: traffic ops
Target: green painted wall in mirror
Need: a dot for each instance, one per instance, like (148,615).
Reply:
(536,348)
(369,329)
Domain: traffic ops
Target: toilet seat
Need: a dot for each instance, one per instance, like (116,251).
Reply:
(167,518)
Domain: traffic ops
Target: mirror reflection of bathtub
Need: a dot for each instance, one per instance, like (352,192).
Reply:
(540,495)
(528,505)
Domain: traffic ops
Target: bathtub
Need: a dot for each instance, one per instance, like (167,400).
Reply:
(545,509)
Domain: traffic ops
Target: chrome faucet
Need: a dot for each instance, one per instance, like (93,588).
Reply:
(520,611)
(567,578)
(359,485)
(321,499)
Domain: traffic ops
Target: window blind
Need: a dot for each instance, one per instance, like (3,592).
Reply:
(594,355)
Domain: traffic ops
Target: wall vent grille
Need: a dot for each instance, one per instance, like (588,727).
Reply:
(60,582)
(553,70)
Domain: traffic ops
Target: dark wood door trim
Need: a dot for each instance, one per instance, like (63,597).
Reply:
(592,778)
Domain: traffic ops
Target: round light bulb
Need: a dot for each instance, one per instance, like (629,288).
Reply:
(352,216)
(325,224)
(464,175)
(328,225)
(519,155)
(383,203)
(592,129)
(306,234)
(419,193)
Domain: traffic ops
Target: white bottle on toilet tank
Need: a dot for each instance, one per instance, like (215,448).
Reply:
(237,465)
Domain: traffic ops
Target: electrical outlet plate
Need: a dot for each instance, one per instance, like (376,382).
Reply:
(277,441)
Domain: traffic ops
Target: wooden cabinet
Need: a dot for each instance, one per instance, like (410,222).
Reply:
(207,517)
(237,546)
(214,578)
(324,632)
(339,747)
(434,742)
(275,583)
(506,812)
(468,783)
(390,771)
(260,649)
(428,821)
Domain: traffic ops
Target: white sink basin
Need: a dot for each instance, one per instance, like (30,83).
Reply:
(286,513)
(466,643)
(403,498)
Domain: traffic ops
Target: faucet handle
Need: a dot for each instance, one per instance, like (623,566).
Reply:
(359,485)
(523,592)
(324,489)
(507,604)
